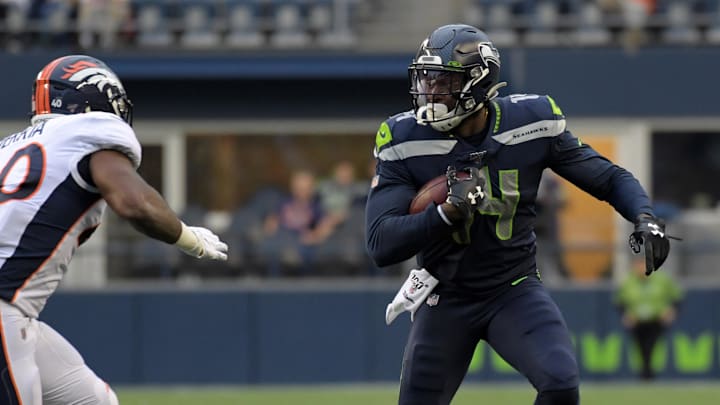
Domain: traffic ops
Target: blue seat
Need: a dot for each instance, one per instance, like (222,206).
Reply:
(590,29)
(200,22)
(543,28)
(289,25)
(153,23)
(243,24)
(680,28)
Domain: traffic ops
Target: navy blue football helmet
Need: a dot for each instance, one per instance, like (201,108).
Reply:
(454,73)
(77,84)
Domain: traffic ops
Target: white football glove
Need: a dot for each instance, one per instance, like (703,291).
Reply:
(411,295)
(201,243)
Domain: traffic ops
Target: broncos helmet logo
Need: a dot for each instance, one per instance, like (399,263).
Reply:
(88,73)
(76,67)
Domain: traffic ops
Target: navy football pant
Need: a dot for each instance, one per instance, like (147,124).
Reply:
(523,325)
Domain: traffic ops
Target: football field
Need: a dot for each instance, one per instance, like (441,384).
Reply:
(657,393)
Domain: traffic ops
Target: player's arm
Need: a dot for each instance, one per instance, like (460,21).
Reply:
(606,181)
(127,193)
(392,235)
(596,175)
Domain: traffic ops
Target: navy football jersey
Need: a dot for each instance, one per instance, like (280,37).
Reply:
(526,134)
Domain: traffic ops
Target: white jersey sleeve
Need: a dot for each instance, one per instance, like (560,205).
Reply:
(95,131)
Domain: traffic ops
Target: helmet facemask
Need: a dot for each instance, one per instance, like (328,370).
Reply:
(109,97)
(443,97)
(436,93)
(454,74)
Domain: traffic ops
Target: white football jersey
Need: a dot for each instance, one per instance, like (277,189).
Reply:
(48,203)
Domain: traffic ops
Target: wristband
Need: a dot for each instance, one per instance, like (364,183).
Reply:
(188,241)
(443,216)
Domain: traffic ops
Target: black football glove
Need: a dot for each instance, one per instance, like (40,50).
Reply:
(650,233)
(465,191)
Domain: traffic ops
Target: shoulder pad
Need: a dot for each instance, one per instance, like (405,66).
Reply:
(524,117)
(401,137)
(100,130)
(531,105)
(395,127)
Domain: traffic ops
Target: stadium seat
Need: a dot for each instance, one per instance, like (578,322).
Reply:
(681,29)
(474,14)
(500,25)
(343,253)
(543,30)
(153,25)
(199,25)
(153,259)
(11,28)
(99,23)
(247,224)
(243,27)
(330,21)
(712,35)
(289,28)
(590,29)
(53,23)
(15,18)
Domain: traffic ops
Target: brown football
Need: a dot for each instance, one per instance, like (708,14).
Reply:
(434,190)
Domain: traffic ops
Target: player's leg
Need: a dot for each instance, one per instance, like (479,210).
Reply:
(646,335)
(66,379)
(437,355)
(529,332)
(18,371)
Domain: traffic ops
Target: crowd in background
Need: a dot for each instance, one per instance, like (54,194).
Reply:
(314,226)
(342,24)
(194,24)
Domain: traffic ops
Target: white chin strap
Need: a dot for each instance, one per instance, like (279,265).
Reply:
(440,119)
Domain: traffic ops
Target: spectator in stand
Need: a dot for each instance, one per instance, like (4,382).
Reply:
(100,22)
(339,193)
(294,229)
(635,14)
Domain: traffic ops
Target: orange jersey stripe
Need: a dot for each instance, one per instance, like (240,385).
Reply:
(42,89)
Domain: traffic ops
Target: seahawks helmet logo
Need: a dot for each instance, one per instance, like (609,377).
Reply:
(489,53)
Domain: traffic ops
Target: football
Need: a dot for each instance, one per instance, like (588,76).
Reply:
(434,190)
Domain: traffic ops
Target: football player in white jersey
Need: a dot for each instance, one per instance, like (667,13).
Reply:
(78,155)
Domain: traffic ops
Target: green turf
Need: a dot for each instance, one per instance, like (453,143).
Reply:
(612,394)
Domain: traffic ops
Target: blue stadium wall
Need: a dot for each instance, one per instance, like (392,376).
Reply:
(334,335)
(651,82)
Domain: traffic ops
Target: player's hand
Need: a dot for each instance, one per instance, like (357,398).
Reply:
(201,243)
(650,234)
(465,192)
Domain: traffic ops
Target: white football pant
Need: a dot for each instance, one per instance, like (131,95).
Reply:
(42,367)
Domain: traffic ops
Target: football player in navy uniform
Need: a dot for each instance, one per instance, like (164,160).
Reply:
(477,248)
(78,156)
